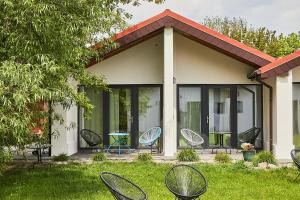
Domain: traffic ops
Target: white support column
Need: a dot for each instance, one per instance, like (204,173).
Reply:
(169,121)
(284,116)
(65,141)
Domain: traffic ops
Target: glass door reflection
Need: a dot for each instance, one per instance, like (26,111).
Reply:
(219,114)
(120,115)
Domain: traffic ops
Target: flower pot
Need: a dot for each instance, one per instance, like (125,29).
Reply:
(248,155)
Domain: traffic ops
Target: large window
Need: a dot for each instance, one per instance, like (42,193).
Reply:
(132,109)
(189,110)
(94,121)
(213,110)
(296,115)
(120,115)
(219,103)
(249,110)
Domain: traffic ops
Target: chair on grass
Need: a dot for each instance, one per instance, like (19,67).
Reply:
(295,154)
(150,137)
(249,136)
(121,188)
(185,182)
(192,138)
(91,138)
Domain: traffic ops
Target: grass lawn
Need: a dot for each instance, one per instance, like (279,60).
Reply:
(82,182)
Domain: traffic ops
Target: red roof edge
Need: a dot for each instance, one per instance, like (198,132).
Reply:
(194,24)
(221,36)
(277,64)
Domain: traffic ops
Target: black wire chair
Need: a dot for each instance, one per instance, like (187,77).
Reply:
(250,135)
(91,138)
(121,188)
(185,182)
(295,154)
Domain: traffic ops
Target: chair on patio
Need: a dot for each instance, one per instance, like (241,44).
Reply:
(295,154)
(150,137)
(121,188)
(192,138)
(91,138)
(249,136)
(185,182)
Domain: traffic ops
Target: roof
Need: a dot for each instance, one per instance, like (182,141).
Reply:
(191,29)
(279,66)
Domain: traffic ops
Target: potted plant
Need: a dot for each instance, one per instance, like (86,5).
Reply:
(248,151)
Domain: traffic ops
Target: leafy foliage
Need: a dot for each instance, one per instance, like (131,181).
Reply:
(187,155)
(44,48)
(240,166)
(222,158)
(263,39)
(5,156)
(264,156)
(61,157)
(144,157)
(99,157)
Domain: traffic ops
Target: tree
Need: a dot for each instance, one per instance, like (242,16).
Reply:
(44,48)
(260,38)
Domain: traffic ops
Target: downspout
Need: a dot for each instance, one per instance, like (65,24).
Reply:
(256,76)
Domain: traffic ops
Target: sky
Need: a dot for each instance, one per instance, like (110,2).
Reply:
(280,15)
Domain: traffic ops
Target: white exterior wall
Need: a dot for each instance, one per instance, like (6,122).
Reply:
(140,64)
(283,118)
(195,63)
(169,109)
(296,74)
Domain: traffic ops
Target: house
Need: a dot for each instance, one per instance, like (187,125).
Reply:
(172,72)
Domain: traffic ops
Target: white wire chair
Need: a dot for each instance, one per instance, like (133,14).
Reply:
(150,137)
(192,138)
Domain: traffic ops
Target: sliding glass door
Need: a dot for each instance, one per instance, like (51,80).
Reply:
(219,115)
(131,109)
(249,110)
(189,111)
(120,112)
(149,109)
(214,110)
(94,121)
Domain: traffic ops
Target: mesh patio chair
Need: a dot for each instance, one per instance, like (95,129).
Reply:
(121,188)
(91,138)
(150,137)
(185,182)
(192,138)
(295,154)
(249,136)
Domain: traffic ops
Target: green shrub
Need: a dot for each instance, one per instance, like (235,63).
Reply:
(187,155)
(61,157)
(5,157)
(144,157)
(264,156)
(240,165)
(222,158)
(99,157)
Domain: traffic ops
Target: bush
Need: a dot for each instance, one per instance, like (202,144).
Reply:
(264,156)
(5,157)
(240,165)
(99,157)
(144,157)
(187,155)
(61,157)
(222,158)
